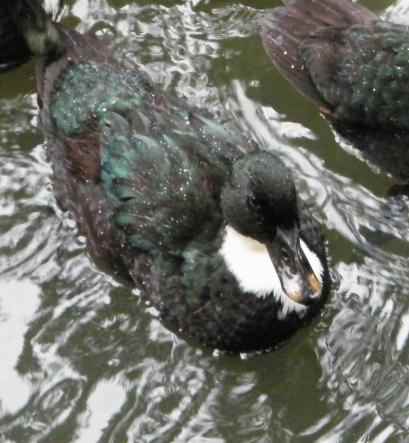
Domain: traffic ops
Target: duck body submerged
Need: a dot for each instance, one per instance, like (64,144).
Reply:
(150,180)
(339,54)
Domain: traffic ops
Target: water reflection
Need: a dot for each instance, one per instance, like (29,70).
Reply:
(84,360)
(102,404)
(18,303)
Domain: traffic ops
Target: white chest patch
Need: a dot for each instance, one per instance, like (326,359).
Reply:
(248,260)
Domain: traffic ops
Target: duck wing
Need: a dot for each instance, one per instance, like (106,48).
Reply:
(157,163)
(361,72)
(163,194)
(285,29)
(340,55)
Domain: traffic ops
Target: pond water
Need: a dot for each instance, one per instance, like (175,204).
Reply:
(82,359)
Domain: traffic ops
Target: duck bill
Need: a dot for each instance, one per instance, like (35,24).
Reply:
(298,280)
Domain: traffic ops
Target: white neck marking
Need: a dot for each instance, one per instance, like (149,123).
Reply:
(248,260)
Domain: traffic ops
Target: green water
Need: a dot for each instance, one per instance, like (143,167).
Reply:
(83,360)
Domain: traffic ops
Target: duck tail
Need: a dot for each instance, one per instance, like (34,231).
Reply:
(284,29)
(25,30)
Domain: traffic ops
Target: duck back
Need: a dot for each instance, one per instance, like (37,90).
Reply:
(137,168)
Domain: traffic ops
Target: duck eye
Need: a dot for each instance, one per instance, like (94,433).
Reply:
(286,257)
(251,201)
(258,202)
(254,202)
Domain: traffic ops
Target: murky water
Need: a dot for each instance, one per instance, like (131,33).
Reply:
(83,360)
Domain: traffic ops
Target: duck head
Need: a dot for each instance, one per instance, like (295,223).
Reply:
(264,246)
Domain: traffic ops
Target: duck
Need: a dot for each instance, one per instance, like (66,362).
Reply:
(353,65)
(205,224)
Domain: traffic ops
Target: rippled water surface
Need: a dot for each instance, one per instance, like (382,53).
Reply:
(82,359)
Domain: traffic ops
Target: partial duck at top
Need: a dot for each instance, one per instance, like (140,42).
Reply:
(339,54)
(208,226)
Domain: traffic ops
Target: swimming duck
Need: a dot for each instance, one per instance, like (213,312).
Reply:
(339,54)
(209,228)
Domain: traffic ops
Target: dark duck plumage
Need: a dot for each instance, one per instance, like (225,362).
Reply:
(354,67)
(352,64)
(167,198)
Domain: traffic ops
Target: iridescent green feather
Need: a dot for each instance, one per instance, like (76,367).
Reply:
(91,90)
(159,161)
(368,82)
